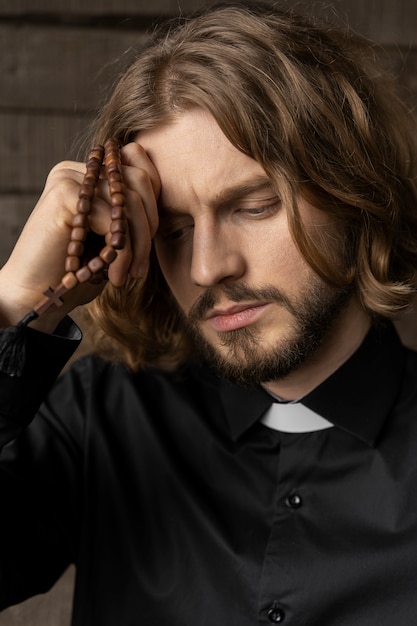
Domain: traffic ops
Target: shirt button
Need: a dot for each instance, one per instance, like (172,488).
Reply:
(293,501)
(275,614)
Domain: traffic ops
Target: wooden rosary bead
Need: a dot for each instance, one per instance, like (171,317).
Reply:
(94,165)
(84,206)
(72,264)
(111,159)
(92,169)
(108,254)
(83,274)
(75,248)
(80,220)
(90,181)
(118,241)
(115,187)
(117,212)
(111,152)
(97,153)
(78,234)
(114,177)
(86,191)
(96,264)
(119,226)
(69,280)
(117,199)
(113,173)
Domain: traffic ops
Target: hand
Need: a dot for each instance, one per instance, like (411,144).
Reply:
(38,258)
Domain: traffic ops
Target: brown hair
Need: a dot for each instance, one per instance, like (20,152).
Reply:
(310,104)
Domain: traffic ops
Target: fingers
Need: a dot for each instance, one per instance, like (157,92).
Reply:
(38,259)
(134,155)
(142,186)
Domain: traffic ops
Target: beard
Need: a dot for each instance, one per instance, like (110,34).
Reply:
(242,356)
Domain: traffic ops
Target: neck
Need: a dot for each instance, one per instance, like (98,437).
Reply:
(342,341)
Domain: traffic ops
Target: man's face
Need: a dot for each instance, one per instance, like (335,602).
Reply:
(250,301)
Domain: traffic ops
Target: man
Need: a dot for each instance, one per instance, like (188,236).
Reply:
(252,459)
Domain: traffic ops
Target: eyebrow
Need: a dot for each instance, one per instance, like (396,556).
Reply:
(229,194)
(241,190)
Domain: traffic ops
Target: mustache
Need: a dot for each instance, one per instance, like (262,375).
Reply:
(238,292)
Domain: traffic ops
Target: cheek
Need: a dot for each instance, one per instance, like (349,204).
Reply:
(277,260)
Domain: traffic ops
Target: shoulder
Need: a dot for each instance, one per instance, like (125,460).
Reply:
(109,387)
(114,407)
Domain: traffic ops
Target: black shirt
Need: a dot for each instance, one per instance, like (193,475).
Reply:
(179,508)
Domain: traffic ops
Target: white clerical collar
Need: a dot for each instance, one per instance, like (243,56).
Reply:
(294,417)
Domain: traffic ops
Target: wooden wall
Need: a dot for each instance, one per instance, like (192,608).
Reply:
(57,58)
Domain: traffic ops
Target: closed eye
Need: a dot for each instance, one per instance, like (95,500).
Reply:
(171,229)
(177,234)
(261,211)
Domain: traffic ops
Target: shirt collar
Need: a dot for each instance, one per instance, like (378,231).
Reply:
(356,398)
(359,396)
(294,417)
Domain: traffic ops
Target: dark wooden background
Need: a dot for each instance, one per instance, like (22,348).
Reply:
(57,59)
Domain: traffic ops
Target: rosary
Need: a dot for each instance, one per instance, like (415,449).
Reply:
(78,268)
(95,270)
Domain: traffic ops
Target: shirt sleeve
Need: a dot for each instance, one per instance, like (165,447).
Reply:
(45,356)
(40,461)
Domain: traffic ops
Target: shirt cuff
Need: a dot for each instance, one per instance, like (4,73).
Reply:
(44,357)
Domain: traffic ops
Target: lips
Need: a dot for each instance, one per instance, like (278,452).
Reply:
(238,316)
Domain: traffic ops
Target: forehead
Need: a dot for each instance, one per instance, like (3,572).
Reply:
(194,158)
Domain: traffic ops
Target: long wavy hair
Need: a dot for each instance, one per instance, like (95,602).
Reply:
(311,105)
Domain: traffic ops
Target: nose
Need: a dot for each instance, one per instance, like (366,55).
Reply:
(217,256)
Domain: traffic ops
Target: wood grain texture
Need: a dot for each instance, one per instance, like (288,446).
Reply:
(14,211)
(97,8)
(55,68)
(32,144)
(387,21)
